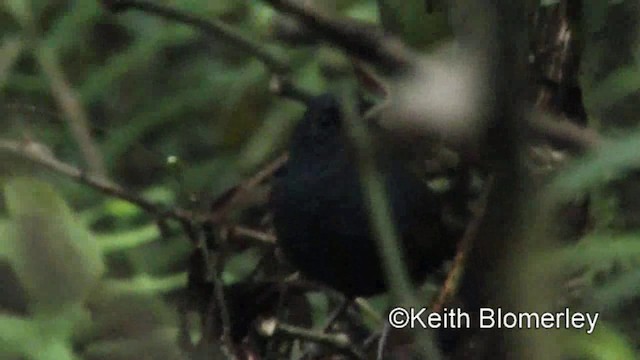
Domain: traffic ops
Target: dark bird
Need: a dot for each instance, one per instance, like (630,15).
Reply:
(320,214)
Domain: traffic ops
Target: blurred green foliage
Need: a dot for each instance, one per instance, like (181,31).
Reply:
(156,90)
(177,117)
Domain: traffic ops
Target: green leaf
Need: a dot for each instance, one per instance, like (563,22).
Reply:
(240,266)
(610,160)
(165,112)
(618,292)
(10,50)
(56,259)
(410,20)
(74,24)
(126,240)
(604,344)
(16,335)
(101,80)
(594,251)
(4,238)
(146,285)
(616,86)
(264,141)
(594,15)
(20,10)
(121,208)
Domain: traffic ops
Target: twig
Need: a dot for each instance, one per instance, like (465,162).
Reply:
(66,98)
(368,310)
(339,342)
(358,39)
(260,236)
(216,29)
(382,342)
(225,203)
(33,152)
(563,133)
(333,317)
(218,299)
(70,104)
(450,287)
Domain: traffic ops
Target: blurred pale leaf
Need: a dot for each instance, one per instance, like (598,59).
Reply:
(56,259)
(118,315)
(9,52)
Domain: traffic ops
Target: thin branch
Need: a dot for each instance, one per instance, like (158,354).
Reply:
(367,309)
(260,236)
(218,299)
(33,152)
(70,104)
(227,201)
(338,342)
(331,320)
(213,28)
(563,133)
(451,284)
(335,315)
(382,341)
(361,40)
(66,98)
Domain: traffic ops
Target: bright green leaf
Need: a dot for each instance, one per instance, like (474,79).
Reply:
(122,241)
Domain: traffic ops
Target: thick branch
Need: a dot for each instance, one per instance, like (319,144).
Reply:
(216,29)
(358,39)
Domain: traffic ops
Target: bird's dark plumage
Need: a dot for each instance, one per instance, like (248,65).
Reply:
(320,214)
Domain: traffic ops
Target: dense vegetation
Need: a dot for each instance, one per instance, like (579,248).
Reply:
(136,154)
